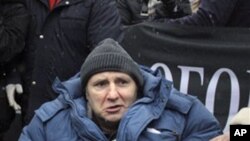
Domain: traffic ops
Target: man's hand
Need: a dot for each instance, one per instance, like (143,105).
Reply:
(11,89)
(242,117)
(223,137)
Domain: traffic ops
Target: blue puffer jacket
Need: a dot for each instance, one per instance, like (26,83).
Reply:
(161,114)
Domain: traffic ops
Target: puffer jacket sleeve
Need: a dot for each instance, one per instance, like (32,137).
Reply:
(205,126)
(14,22)
(33,131)
(104,22)
(39,128)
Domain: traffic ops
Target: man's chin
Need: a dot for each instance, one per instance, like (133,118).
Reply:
(113,119)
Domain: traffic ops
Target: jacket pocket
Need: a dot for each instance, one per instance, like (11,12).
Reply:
(152,134)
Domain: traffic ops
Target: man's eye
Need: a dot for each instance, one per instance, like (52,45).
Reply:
(122,82)
(101,84)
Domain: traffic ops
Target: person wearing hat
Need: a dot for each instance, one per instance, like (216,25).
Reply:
(114,98)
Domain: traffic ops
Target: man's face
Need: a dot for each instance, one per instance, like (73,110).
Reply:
(110,94)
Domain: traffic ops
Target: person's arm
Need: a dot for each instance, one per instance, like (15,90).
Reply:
(104,22)
(209,13)
(34,131)
(13,87)
(201,124)
(14,22)
(124,11)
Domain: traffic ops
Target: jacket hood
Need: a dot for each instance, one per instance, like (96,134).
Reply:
(153,92)
(70,93)
(153,83)
(71,87)
(152,80)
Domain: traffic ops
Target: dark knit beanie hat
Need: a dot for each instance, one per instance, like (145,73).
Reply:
(109,56)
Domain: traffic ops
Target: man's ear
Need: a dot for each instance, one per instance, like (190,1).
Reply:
(86,94)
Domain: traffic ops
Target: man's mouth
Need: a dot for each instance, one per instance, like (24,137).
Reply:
(113,109)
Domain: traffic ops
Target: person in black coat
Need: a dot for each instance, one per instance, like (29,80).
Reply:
(62,33)
(14,21)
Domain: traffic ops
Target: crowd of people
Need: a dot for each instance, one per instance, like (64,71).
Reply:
(42,40)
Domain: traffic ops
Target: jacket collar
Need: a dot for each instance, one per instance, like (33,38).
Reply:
(61,3)
(142,112)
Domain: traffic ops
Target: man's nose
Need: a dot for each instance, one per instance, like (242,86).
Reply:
(113,92)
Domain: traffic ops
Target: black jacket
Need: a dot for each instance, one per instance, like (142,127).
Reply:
(60,40)
(13,28)
(14,21)
(229,13)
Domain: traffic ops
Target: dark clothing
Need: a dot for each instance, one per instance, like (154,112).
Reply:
(13,28)
(137,11)
(61,39)
(230,13)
